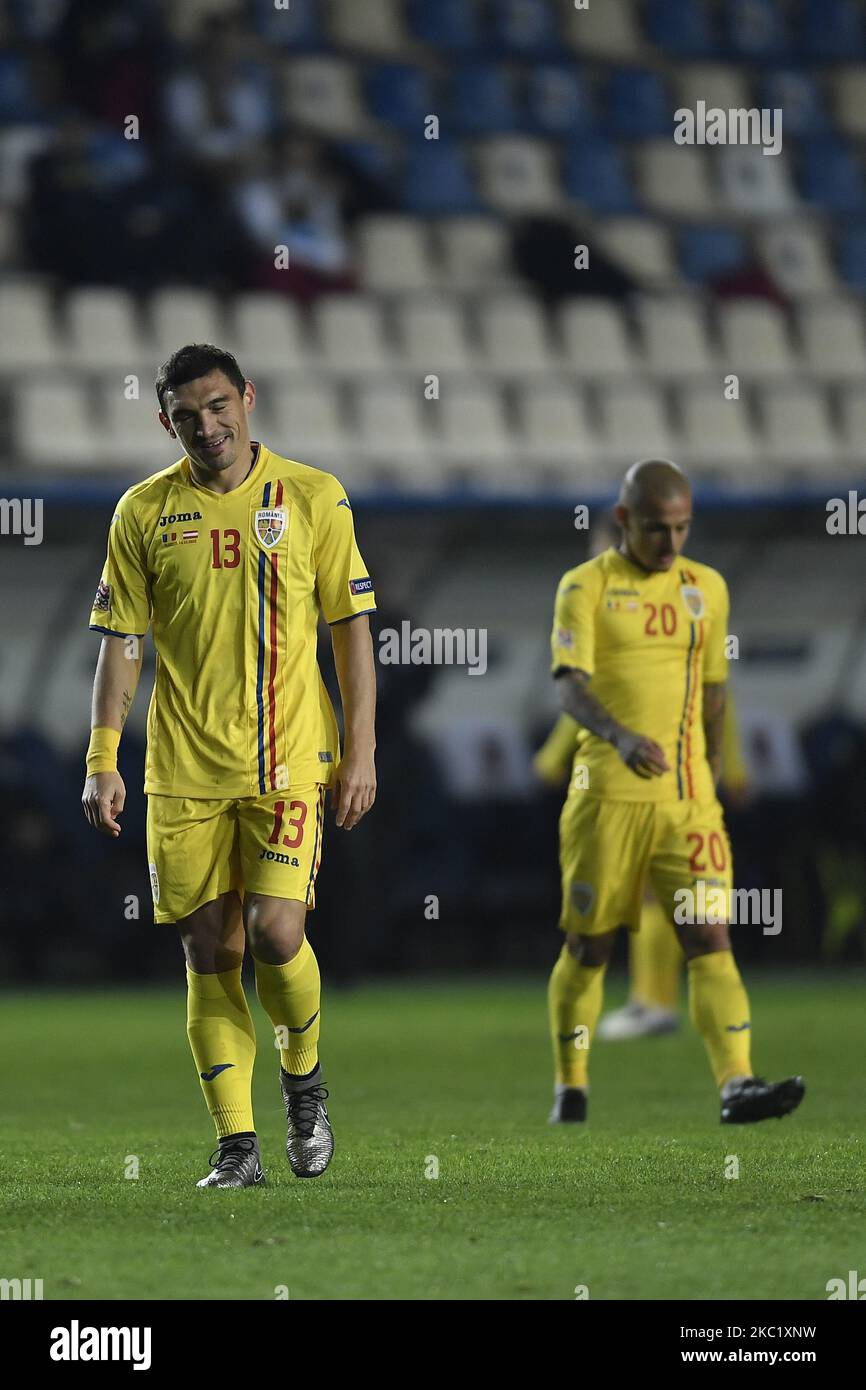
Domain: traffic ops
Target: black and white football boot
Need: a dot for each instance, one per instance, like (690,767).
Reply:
(236,1163)
(309,1138)
(569,1105)
(750,1098)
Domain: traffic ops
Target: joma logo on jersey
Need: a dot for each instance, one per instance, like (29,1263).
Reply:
(175,517)
(269,525)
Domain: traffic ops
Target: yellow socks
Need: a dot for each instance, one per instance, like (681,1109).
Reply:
(290,995)
(223,1041)
(655,958)
(719,1008)
(574,999)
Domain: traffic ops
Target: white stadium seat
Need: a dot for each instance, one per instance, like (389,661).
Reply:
(130,434)
(796,428)
(518,174)
(352,334)
(269,335)
(675,180)
(713,83)
(514,336)
(608,31)
(179,316)
(103,329)
(596,342)
(29,339)
(795,256)
(634,424)
(375,28)
(307,423)
(56,424)
(717,432)
(849,100)
(754,184)
(641,246)
(675,337)
(395,254)
(432,335)
(474,252)
(473,439)
(754,339)
(322,94)
(392,432)
(852,424)
(555,428)
(833,339)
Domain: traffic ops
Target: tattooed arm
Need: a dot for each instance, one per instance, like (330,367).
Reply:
(715,695)
(642,755)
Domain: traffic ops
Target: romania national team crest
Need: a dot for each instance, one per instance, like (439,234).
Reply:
(270,524)
(693,599)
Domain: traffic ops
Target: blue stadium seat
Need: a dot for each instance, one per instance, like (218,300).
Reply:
(437,179)
(852,256)
(295,28)
(18,100)
(830,174)
(830,29)
(637,104)
(797,93)
(448,24)
(482,100)
(400,95)
(706,252)
(596,173)
(379,160)
(682,26)
(756,29)
(558,101)
(525,28)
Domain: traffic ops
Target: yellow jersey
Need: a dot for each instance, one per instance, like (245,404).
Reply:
(649,642)
(232,585)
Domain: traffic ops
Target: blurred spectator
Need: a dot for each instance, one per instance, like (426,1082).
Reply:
(111,52)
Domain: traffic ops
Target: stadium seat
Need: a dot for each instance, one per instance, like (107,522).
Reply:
(180,315)
(432,335)
(595,340)
(558,101)
(474,252)
(554,429)
(637,104)
(351,335)
(184,22)
(852,256)
(321,94)
(674,180)
(395,254)
(102,329)
(368,28)
(641,246)
(852,424)
(56,425)
(717,433)
(596,174)
(473,440)
(449,24)
(437,179)
(514,336)
(849,101)
(307,424)
(609,32)
(675,337)
(798,96)
(755,30)
(709,252)
(131,436)
(796,428)
(481,100)
(401,96)
(716,84)
(683,27)
(634,424)
(391,431)
(29,339)
(830,29)
(524,28)
(269,336)
(754,184)
(295,26)
(832,335)
(830,175)
(754,340)
(518,174)
(795,255)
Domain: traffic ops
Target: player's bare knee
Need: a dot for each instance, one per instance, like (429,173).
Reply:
(275,928)
(212,936)
(703,939)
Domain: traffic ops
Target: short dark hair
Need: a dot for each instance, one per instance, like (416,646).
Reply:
(193,361)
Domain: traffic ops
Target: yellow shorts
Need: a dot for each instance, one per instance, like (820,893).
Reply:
(608,850)
(198,849)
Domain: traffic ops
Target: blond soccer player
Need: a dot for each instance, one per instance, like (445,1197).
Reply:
(229,557)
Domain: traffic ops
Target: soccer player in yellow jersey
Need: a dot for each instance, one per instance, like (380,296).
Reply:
(229,556)
(638,653)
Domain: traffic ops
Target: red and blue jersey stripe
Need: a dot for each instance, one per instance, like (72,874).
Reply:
(268,654)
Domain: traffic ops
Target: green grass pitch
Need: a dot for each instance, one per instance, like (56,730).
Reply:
(634,1205)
